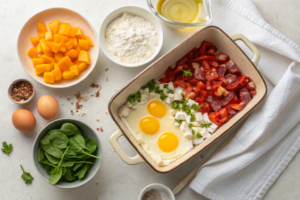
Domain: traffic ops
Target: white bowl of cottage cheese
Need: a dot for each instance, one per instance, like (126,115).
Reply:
(131,36)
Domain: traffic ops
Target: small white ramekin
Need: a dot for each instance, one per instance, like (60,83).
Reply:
(11,86)
(135,11)
(157,186)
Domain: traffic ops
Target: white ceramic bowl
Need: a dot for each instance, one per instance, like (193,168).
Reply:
(29,29)
(159,187)
(135,11)
(10,89)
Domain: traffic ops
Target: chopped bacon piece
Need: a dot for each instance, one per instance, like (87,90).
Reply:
(216,104)
(164,80)
(180,83)
(210,96)
(205,65)
(185,78)
(233,85)
(187,91)
(231,112)
(222,70)
(196,90)
(244,80)
(213,63)
(208,85)
(229,78)
(245,95)
(178,69)
(182,61)
(199,75)
(205,108)
(195,65)
(212,76)
(203,93)
(222,57)
(232,68)
(231,95)
(222,78)
(211,50)
(167,73)
(203,47)
(201,85)
(199,100)
(205,57)
(191,54)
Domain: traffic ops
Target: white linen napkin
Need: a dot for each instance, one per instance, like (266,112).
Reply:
(250,163)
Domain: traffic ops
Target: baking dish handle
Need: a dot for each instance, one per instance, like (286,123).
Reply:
(129,160)
(250,45)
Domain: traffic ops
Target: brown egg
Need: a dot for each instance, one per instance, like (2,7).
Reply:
(23,120)
(48,107)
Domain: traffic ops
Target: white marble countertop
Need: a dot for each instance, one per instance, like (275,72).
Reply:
(115,179)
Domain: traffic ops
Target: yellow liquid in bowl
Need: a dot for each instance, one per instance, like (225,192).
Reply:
(184,11)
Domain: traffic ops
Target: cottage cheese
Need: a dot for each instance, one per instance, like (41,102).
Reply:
(131,39)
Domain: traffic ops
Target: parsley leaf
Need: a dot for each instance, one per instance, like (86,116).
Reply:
(190,125)
(171,91)
(166,86)
(150,85)
(206,125)
(196,107)
(178,121)
(163,96)
(187,73)
(7,148)
(193,118)
(199,135)
(134,97)
(26,176)
(193,132)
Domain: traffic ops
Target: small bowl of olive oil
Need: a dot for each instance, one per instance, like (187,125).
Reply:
(181,14)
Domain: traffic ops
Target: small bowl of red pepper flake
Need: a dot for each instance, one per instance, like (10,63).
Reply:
(21,91)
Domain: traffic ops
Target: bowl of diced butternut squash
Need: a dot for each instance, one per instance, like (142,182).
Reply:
(58,47)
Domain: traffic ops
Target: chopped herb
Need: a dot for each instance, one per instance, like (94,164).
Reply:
(187,73)
(196,107)
(157,90)
(166,86)
(26,176)
(134,97)
(186,109)
(150,85)
(199,135)
(206,125)
(193,132)
(171,91)
(190,125)
(193,118)
(175,105)
(178,121)
(7,148)
(163,96)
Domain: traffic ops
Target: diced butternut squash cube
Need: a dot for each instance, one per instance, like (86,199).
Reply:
(69,45)
(47,59)
(48,77)
(65,63)
(32,53)
(58,56)
(40,69)
(63,28)
(81,66)
(71,32)
(74,70)
(57,73)
(62,47)
(87,38)
(37,61)
(50,67)
(75,42)
(78,31)
(84,45)
(55,47)
(49,36)
(35,41)
(65,39)
(72,53)
(68,75)
(39,49)
(84,56)
(54,26)
(45,47)
(77,49)
(41,29)
(58,38)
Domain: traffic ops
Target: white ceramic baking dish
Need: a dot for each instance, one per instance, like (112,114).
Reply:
(225,44)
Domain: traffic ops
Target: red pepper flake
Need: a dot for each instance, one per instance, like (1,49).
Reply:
(78,106)
(94,85)
(101,129)
(98,129)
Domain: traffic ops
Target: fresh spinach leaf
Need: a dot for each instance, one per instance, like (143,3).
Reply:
(67,175)
(82,172)
(55,175)
(41,155)
(76,166)
(78,141)
(91,145)
(69,129)
(54,143)
(52,159)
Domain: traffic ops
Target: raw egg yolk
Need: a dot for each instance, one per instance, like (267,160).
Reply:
(156,108)
(168,142)
(149,125)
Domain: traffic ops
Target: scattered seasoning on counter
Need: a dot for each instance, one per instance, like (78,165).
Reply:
(22,91)
(96,183)
(68,98)
(106,69)
(78,106)
(98,129)
(155,195)
(106,79)
(95,85)
(97,93)
(101,129)
(72,103)
(72,112)
(97,120)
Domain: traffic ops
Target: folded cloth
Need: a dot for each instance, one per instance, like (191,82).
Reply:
(250,163)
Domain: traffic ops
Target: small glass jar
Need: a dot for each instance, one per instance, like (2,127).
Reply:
(179,25)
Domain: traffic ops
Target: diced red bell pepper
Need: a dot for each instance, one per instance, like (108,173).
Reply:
(222,78)
(164,80)
(233,85)
(223,115)
(205,65)
(212,76)
(185,78)
(245,95)
(172,76)
(232,68)
(196,90)
(193,82)
(252,92)
(244,80)
(203,47)
(211,50)
(222,57)
(199,75)
(191,54)
(180,83)
(208,85)
(222,70)
(217,85)
(213,63)
(201,85)
(205,108)
(203,93)
(239,106)
(231,112)
(186,67)
(188,94)
(216,104)
(178,69)
(214,117)
(199,100)
(167,73)
(205,57)
(182,61)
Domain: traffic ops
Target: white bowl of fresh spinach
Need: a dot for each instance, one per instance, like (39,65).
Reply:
(67,153)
